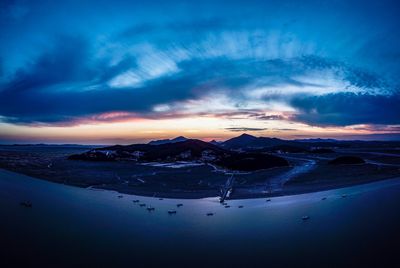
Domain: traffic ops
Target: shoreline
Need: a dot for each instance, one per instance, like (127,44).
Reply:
(292,190)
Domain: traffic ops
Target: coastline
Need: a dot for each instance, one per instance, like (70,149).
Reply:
(292,190)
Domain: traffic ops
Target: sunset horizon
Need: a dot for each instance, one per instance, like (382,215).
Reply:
(208,74)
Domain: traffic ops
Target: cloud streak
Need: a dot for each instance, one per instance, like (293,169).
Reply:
(245,129)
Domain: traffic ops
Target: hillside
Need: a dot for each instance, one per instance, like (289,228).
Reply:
(189,150)
(252,161)
(165,141)
(246,141)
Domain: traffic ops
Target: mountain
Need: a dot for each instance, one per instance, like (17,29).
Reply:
(188,150)
(241,141)
(246,141)
(251,161)
(215,142)
(174,140)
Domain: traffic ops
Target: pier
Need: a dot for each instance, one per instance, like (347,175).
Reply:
(226,190)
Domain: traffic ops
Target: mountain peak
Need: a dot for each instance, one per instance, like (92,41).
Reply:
(179,138)
(248,141)
(245,135)
(174,140)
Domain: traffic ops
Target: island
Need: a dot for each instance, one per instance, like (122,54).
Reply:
(190,168)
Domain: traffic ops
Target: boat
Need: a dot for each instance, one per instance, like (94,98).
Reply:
(135,201)
(142,205)
(210,214)
(268,200)
(171,211)
(120,196)
(323,198)
(240,206)
(160,198)
(304,218)
(227,206)
(344,195)
(150,208)
(179,205)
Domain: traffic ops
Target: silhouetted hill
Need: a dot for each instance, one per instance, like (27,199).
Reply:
(281,149)
(246,141)
(215,142)
(189,150)
(251,161)
(286,148)
(174,140)
(171,150)
(249,141)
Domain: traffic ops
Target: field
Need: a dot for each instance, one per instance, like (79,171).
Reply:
(307,173)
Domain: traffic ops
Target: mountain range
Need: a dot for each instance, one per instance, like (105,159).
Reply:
(245,152)
(187,150)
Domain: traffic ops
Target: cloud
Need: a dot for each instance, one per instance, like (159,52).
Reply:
(269,117)
(244,129)
(65,62)
(344,109)
(205,63)
(376,128)
(203,26)
(284,129)
(67,83)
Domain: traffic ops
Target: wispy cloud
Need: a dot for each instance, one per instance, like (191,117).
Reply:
(245,129)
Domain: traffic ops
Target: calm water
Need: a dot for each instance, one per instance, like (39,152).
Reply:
(70,226)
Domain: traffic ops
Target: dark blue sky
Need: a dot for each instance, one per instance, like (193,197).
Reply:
(324,64)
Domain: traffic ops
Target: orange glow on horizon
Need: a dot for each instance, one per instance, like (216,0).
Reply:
(143,130)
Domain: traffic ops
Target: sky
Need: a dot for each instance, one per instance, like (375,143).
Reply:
(104,72)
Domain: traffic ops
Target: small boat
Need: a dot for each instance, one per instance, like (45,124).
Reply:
(179,205)
(268,200)
(227,206)
(304,218)
(240,206)
(224,203)
(26,204)
(150,209)
(323,198)
(344,195)
(210,214)
(160,198)
(120,196)
(171,211)
(142,205)
(135,201)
